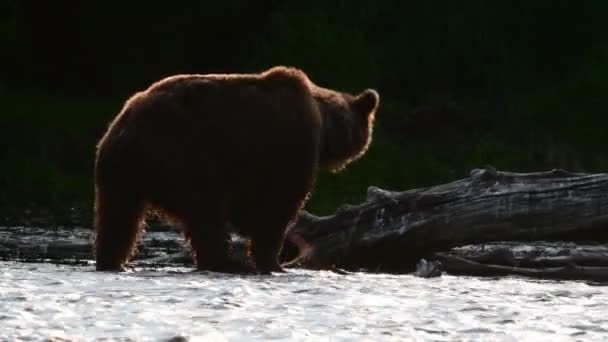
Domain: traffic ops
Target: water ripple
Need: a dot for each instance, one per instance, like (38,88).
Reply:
(63,303)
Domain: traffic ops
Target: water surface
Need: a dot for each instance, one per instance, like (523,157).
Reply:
(45,301)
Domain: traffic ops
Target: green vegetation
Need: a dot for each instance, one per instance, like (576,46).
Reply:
(516,85)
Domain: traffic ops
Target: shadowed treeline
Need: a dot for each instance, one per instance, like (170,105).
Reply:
(513,84)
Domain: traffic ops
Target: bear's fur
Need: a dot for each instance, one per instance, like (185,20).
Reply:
(222,149)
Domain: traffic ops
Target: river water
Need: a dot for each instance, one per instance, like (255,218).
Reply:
(74,303)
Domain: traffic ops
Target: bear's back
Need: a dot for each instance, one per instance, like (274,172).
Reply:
(238,118)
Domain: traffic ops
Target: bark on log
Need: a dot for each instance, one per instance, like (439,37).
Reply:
(391,231)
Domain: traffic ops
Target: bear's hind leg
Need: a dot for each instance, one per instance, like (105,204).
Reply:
(118,223)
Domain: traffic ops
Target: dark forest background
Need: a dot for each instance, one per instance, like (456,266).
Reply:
(514,84)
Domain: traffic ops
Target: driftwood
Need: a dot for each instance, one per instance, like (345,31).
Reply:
(391,231)
(458,265)
(540,259)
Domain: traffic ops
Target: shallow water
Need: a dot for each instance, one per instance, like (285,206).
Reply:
(42,301)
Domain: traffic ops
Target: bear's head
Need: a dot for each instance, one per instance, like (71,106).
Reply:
(347,122)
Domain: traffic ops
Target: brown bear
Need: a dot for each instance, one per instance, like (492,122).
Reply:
(222,149)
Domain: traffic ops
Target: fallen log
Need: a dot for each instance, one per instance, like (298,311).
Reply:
(391,231)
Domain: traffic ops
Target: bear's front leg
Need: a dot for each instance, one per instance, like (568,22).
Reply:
(118,225)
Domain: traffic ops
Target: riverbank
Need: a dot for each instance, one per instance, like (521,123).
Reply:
(163,246)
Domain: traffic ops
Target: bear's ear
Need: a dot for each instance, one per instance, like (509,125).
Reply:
(367,101)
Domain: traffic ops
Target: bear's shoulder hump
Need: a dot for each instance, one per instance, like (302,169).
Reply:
(286,76)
